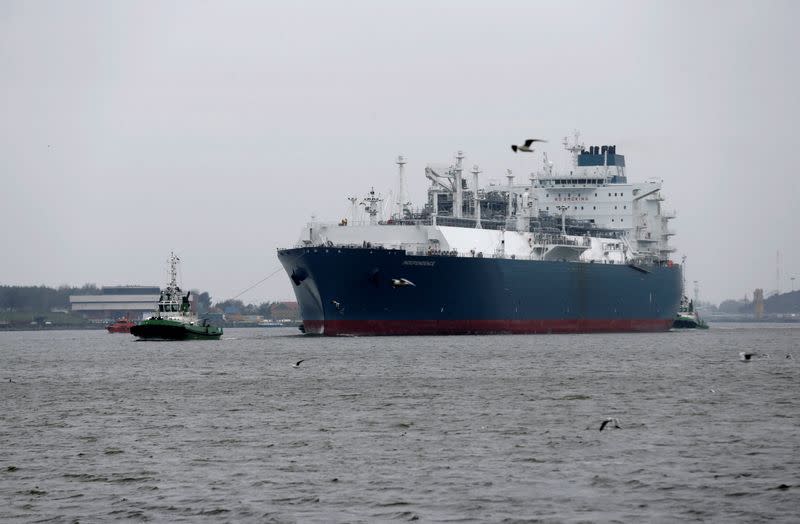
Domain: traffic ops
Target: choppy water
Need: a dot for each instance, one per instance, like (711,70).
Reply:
(96,427)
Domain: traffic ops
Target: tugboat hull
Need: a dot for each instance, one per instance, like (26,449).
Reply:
(166,330)
(689,322)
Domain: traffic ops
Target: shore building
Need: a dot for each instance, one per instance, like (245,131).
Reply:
(113,302)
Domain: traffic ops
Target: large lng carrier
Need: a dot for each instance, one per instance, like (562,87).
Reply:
(573,252)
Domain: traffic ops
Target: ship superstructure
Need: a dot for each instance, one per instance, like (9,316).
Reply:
(577,220)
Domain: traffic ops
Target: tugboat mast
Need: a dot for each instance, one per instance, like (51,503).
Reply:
(173,273)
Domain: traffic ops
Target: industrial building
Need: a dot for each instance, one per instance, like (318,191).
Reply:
(113,302)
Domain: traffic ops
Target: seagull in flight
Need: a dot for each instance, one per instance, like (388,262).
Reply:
(526,147)
(606,421)
(402,282)
(297,364)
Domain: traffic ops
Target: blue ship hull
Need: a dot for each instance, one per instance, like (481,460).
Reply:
(360,291)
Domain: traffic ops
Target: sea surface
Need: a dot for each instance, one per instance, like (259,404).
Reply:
(100,427)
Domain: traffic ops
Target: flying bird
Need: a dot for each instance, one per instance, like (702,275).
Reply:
(526,147)
(297,365)
(402,282)
(606,421)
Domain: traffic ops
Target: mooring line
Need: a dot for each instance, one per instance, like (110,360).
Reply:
(265,278)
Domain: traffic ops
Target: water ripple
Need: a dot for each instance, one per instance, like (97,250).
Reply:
(455,429)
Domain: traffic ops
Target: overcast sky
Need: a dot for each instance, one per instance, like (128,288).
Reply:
(216,129)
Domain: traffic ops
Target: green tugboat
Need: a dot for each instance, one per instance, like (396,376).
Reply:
(174,319)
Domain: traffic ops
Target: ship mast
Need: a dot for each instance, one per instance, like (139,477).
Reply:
(173,273)
(575,148)
(475,173)
(458,196)
(353,208)
(510,192)
(401,161)
(371,204)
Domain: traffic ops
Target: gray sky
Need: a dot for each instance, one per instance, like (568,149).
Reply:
(216,129)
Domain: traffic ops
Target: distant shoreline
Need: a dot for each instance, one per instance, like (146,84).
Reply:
(297,324)
(93,327)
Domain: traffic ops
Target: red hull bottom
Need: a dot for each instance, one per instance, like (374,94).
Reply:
(481,327)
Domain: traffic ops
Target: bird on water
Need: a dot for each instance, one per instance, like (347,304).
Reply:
(297,364)
(606,421)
